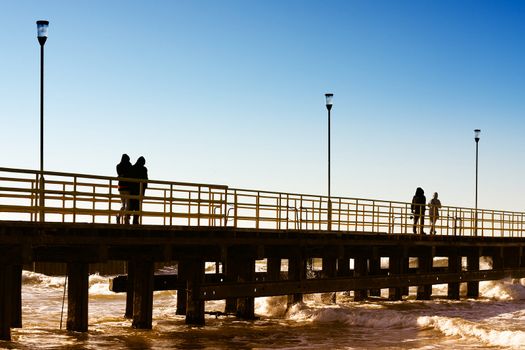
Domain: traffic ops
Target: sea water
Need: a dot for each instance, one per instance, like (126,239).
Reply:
(494,321)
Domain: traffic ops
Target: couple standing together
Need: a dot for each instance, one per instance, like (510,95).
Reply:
(131,190)
(418,210)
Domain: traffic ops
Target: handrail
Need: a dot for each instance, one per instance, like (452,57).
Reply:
(72,198)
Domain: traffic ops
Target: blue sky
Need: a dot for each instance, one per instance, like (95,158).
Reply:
(232,92)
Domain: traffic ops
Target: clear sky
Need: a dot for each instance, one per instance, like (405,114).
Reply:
(232,92)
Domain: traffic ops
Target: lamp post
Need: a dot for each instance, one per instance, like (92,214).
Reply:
(42,27)
(329,98)
(476,138)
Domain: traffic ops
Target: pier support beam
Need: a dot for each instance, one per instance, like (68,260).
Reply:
(246,306)
(194,306)
(329,271)
(473,265)
(454,266)
(6,292)
(424,266)
(360,270)
(374,266)
(77,296)
(182,296)
(273,269)
(143,295)
(129,289)
(230,275)
(296,272)
(394,267)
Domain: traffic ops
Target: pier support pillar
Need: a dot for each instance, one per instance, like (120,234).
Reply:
(230,275)
(143,295)
(404,268)
(16,297)
(424,266)
(394,268)
(296,272)
(246,306)
(497,259)
(360,270)
(374,266)
(343,266)
(273,269)
(473,265)
(77,296)
(182,296)
(454,266)
(129,289)
(6,293)
(329,271)
(194,305)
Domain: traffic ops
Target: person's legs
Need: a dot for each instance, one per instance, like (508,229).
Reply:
(134,207)
(123,216)
(416,218)
(422,224)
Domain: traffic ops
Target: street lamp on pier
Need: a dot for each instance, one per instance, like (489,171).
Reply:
(329,99)
(41,27)
(476,138)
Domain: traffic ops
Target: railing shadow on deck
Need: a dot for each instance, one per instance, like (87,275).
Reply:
(81,198)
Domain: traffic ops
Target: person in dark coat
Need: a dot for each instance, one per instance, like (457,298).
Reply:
(138,188)
(418,210)
(124,171)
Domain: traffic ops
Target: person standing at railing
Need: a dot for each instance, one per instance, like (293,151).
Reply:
(433,212)
(138,188)
(419,201)
(124,171)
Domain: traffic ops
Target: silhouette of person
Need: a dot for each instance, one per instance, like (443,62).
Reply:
(418,210)
(433,212)
(138,188)
(124,171)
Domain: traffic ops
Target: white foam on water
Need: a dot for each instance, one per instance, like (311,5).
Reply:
(370,316)
(99,286)
(485,332)
(33,278)
(503,290)
(271,306)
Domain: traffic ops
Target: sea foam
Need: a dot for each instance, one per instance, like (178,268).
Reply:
(486,332)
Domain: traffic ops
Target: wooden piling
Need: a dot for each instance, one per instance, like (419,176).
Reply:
(424,266)
(16,296)
(329,271)
(473,265)
(182,295)
(454,266)
(394,268)
(77,296)
(296,272)
(230,275)
(195,269)
(6,286)
(143,294)
(360,270)
(273,268)
(246,273)
(130,289)
(374,267)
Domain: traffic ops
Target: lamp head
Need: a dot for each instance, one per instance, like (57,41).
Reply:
(41,28)
(329,98)
(476,134)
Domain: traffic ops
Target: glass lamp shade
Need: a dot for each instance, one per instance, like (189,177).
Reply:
(329,98)
(41,28)
(476,134)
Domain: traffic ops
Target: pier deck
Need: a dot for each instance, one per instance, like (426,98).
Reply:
(364,245)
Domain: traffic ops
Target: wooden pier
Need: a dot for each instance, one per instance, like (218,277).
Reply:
(364,247)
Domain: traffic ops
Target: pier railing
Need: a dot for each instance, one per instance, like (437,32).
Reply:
(25,195)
